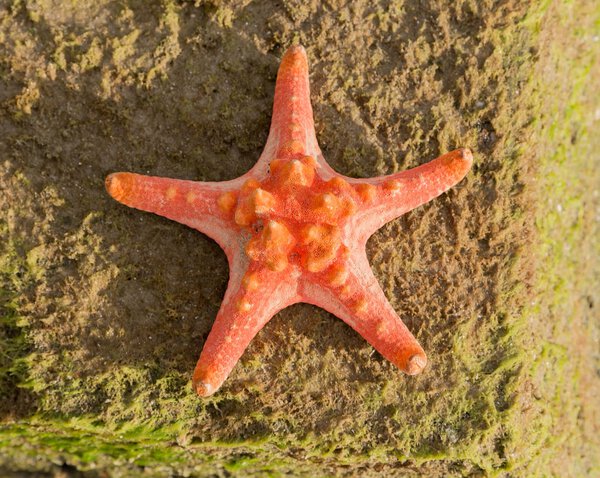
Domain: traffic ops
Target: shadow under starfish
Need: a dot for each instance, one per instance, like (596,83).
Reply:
(294,230)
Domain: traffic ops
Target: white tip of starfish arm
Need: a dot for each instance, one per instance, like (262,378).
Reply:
(466,153)
(464,156)
(416,364)
(203,389)
(294,49)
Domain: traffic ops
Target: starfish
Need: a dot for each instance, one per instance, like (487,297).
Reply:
(294,230)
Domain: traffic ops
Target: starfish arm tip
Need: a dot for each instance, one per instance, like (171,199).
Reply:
(118,185)
(467,155)
(456,165)
(415,364)
(203,389)
(296,49)
(294,63)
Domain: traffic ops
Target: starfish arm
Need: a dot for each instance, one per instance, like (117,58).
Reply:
(387,197)
(195,204)
(292,134)
(254,295)
(352,293)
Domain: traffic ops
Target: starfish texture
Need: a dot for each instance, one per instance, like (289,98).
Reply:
(294,231)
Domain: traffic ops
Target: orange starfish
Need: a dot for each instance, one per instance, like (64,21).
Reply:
(294,231)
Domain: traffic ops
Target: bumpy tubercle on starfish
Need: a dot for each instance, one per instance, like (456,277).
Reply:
(294,230)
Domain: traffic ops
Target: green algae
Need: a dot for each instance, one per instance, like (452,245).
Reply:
(15,344)
(568,237)
(296,403)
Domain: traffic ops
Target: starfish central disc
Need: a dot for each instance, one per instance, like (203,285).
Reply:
(293,217)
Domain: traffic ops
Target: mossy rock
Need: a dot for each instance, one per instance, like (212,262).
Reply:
(104,310)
